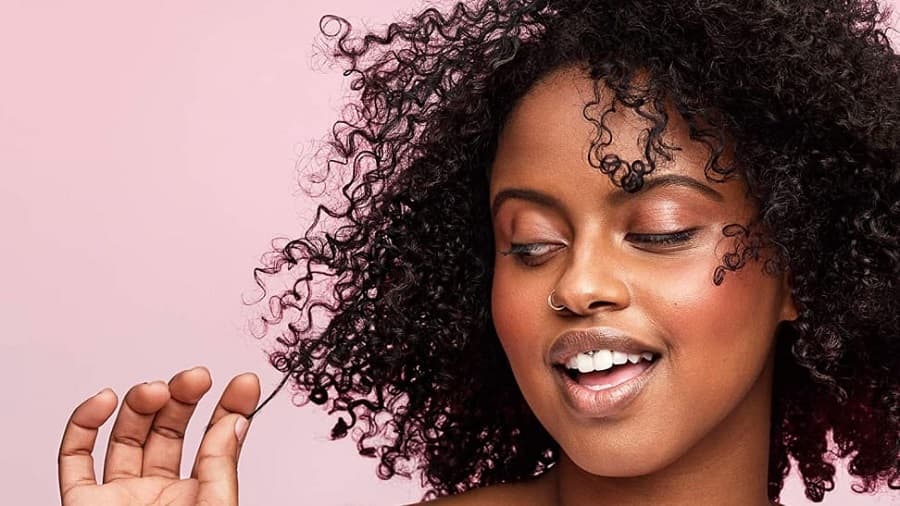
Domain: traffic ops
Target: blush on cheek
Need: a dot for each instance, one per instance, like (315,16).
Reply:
(723,332)
(687,308)
(513,314)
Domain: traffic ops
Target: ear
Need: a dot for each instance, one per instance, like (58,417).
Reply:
(788,307)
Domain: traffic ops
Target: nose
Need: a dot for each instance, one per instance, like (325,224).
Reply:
(594,281)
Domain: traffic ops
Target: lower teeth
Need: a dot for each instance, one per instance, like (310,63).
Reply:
(574,373)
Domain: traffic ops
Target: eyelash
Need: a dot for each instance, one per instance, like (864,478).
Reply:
(522,252)
(665,239)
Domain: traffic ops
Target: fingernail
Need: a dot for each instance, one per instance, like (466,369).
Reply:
(240,428)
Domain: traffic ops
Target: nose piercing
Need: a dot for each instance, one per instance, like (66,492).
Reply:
(550,302)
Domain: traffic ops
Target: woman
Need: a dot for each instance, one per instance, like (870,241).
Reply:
(632,252)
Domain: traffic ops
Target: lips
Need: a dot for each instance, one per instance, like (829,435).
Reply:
(607,392)
(609,401)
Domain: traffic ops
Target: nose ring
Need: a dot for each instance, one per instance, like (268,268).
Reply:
(550,302)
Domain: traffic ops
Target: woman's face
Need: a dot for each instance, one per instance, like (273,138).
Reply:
(639,265)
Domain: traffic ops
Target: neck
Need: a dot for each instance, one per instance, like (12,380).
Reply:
(728,466)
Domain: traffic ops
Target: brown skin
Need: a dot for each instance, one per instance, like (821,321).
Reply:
(144,453)
(700,429)
(698,432)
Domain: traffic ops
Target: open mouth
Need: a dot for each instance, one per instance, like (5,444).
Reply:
(602,369)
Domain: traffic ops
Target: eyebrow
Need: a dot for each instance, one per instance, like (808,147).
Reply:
(615,198)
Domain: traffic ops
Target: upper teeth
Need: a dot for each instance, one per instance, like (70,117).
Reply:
(601,360)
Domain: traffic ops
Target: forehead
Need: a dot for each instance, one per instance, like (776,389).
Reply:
(547,138)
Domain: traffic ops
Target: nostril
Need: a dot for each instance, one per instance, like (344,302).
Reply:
(601,303)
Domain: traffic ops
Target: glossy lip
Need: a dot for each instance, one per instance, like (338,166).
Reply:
(603,403)
(572,342)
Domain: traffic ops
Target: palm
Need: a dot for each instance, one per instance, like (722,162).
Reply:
(143,459)
(149,491)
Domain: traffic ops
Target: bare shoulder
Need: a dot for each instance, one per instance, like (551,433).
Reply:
(534,492)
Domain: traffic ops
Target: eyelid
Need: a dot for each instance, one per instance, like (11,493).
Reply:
(522,252)
(664,239)
(658,240)
(528,247)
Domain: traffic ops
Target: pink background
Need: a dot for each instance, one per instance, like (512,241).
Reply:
(148,154)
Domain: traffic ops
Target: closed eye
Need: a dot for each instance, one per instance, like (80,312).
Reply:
(662,240)
(526,253)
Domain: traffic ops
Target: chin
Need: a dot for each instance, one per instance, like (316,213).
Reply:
(621,463)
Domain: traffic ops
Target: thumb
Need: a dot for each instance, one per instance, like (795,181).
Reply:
(217,461)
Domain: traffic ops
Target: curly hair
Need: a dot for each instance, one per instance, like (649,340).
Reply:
(808,94)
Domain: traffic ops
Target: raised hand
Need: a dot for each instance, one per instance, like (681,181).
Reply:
(143,457)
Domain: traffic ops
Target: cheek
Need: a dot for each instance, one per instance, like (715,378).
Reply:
(718,336)
(516,313)
(684,301)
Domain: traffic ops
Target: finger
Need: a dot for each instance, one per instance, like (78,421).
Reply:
(217,461)
(76,464)
(162,451)
(125,453)
(240,396)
